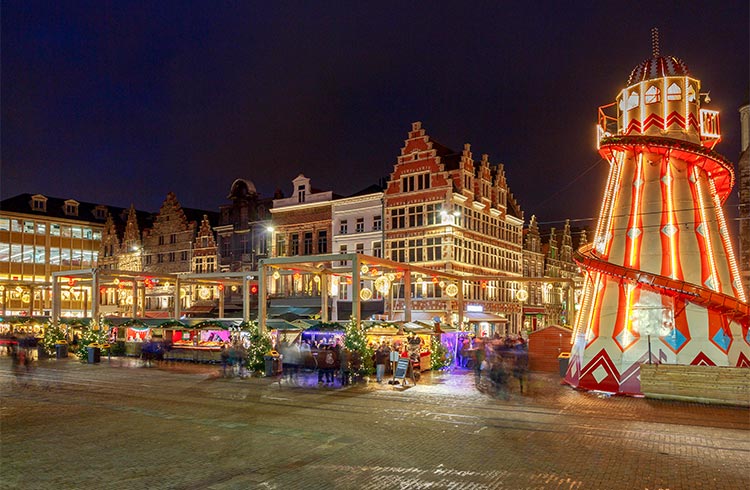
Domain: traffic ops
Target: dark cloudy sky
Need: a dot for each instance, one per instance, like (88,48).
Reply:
(119,102)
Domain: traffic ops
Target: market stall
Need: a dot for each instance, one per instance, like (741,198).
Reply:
(200,342)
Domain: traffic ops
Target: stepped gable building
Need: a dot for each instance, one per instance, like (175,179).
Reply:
(743,171)
(169,243)
(449,212)
(40,235)
(534,312)
(124,253)
(242,230)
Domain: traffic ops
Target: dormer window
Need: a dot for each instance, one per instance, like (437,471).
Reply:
(70,208)
(39,203)
(301,193)
(100,212)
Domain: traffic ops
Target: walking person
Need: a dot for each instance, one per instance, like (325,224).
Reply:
(382,354)
(521,368)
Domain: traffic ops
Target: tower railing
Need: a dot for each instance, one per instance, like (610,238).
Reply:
(606,123)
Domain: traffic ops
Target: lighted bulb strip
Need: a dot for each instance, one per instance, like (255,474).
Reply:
(733,269)
(606,201)
(686,122)
(709,250)
(664,102)
(587,291)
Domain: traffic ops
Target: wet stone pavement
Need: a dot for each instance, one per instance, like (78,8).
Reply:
(120,425)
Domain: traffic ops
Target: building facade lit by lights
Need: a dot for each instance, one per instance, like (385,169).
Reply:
(358,228)
(662,282)
(300,225)
(446,211)
(41,235)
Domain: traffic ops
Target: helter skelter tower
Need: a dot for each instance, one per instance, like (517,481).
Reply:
(661,278)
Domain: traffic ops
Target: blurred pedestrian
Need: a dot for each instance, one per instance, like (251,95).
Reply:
(381,357)
(521,368)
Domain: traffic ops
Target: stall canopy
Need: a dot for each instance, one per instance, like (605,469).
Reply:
(292,312)
(480,316)
(282,325)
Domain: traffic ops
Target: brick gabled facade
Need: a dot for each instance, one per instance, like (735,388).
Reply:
(205,251)
(448,212)
(167,246)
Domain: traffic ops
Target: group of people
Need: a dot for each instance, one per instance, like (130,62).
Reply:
(233,360)
(497,362)
(331,361)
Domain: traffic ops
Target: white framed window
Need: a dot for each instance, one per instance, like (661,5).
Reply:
(343,227)
(359,226)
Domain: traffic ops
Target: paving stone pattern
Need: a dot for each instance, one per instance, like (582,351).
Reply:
(121,425)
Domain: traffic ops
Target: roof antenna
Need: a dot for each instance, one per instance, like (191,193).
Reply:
(655,42)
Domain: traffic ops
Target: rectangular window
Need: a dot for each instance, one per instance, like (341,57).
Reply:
(360,225)
(77,232)
(160,258)
(171,256)
(322,242)
(377,223)
(54,256)
(343,227)
(342,250)
(294,249)
(15,225)
(28,227)
(88,233)
(54,230)
(4,252)
(41,228)
(161,240)
(398,251)
(308,243)
(15,253)
(280,246)
(40,255)
(377,249)
(398,218)
(416,218)
(360,248)
(184,255)
(4,224)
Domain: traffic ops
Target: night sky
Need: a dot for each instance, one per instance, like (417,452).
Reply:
(121,102)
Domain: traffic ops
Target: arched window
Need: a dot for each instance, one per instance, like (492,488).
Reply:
(674,92)
(691,93)
(652,95)
(633,100)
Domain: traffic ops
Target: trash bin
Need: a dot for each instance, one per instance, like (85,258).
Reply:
(273,365)
(95,354)
(563,359)
(61,351)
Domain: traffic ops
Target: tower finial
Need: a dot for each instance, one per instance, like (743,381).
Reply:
(655,42)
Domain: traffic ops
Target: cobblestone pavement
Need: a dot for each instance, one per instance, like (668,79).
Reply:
(119,425)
